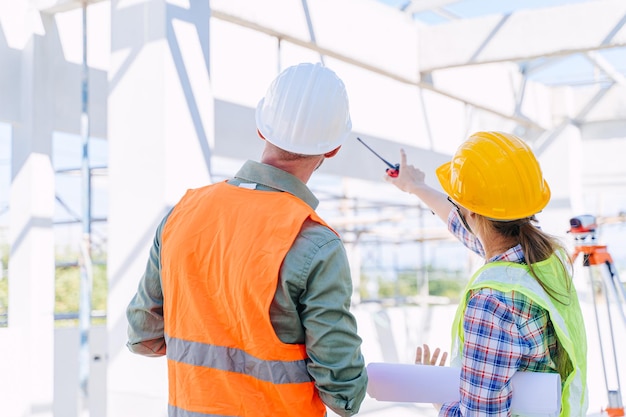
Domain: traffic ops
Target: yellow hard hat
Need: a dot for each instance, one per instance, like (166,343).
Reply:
(496,175)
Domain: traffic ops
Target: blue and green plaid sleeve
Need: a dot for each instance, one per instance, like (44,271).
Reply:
(504,333)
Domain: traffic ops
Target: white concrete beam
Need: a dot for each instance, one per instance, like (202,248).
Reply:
(357,49)
(160,128)
(345,28)
(58,6)
(10,81)
(66,88)
(523,35)
(609,129)
(31,265)
(606,66)
(239,141)
(610,106)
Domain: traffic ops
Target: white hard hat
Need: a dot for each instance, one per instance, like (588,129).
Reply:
(305,110)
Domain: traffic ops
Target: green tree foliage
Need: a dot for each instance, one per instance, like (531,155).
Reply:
(406,283)
(67,288)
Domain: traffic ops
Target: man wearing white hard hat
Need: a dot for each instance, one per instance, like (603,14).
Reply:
(247,290)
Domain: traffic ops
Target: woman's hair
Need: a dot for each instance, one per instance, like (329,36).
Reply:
(537,246)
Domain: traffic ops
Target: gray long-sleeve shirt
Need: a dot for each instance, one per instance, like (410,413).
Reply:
(311,304)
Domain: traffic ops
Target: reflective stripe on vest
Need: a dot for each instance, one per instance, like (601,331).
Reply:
(236,360)
(567,320)
(222,249)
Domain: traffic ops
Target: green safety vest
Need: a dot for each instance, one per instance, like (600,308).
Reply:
(567,319)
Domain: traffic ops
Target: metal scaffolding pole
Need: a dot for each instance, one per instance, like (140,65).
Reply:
(86,269)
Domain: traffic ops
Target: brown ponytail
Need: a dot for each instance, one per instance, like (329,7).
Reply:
(537,246)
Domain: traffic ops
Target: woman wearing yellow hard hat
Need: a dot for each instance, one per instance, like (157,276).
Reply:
(519,311)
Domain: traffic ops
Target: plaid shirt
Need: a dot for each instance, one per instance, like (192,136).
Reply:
(504,333)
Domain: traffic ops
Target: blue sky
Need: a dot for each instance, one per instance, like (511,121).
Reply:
(475,8)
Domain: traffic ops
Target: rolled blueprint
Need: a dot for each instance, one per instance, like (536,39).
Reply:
(535,394)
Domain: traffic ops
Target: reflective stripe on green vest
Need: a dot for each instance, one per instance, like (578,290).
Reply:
(566,318)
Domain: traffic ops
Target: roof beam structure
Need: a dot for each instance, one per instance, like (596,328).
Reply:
(523,35)
(606,67)
(461,42)
(238,19)
(58,6)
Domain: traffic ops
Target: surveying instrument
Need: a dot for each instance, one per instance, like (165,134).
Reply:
(604,280)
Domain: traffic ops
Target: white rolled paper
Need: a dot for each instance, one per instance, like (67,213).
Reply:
(535,394)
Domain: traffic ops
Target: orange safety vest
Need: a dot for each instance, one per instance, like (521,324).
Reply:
(221,253)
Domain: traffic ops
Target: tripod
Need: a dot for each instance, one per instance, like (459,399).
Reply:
(597,260)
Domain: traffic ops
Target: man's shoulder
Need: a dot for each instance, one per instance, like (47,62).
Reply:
(317,233)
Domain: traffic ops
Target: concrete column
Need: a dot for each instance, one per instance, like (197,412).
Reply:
(160,125)
(31,266)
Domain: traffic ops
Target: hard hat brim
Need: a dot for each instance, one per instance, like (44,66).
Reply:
(444,175)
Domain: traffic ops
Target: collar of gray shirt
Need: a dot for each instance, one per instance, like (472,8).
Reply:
(270,178)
